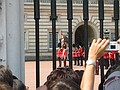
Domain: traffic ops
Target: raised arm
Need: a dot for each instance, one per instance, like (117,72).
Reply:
(96,50)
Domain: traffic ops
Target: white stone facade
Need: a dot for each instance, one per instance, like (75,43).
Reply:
(62,24)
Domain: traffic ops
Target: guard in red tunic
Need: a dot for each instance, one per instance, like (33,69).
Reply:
(80,55)
(112,58)
(75,55)
(106,60)
(59,56)
(64,54)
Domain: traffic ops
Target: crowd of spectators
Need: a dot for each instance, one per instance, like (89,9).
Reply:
(65,78)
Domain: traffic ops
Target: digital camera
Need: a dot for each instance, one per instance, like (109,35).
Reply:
(113,46)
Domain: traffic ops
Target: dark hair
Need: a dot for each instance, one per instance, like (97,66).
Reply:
(63,85)
(18,85)
(63,73)
(56,74)
(70,72)
(80,74)
(14,77)
(6,75)
(5,86)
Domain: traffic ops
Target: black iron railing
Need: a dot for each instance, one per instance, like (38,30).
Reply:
(69,18)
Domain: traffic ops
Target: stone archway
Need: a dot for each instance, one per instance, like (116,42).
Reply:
(79,34)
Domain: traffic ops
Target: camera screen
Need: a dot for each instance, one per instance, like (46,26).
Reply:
(112,47)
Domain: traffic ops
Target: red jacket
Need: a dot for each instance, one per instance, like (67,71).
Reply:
(75,53)
(59,53)
(80,52)
(106,56)
(112,55)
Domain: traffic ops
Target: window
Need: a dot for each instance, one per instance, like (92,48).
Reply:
(28,0)
(25,40)
(50,39)
(112,19)
(25,17)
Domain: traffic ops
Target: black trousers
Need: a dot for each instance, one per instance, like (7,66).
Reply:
(81,59)
(75,60)
(106,63)
(112,62)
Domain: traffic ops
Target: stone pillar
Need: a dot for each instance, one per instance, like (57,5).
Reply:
(3,57)
(12,36)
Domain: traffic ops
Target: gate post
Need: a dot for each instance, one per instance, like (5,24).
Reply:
(101,18)
(37,17)
(116,19)
(53,17)
(85,18)
(69,18)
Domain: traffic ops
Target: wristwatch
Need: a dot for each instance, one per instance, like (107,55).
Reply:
(90,62)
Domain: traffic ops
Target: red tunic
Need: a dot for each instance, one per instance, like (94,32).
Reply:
(80,52)
(106,56)
(75,53)
(112,55)
(59,53)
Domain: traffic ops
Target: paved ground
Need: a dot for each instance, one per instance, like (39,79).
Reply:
(45,69)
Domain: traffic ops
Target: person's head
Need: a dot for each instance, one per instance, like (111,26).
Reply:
(80,73)
(63,85)
(63,73)
(18,85)
(6,75)
(65,69)
(5,86)
(70,74)
(56,74)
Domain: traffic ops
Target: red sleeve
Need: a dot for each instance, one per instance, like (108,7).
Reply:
(65,53)
(58,53)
